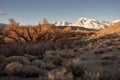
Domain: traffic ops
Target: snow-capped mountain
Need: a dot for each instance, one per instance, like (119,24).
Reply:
(115,21)
(86,23)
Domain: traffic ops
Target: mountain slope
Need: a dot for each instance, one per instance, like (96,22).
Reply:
(86,23)
(114,29)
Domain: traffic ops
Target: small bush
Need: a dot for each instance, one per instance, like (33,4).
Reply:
(18,69)
(20,59)
(75,66)
(91,76)
(60,74)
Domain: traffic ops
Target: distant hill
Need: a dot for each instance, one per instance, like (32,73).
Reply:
(2,26)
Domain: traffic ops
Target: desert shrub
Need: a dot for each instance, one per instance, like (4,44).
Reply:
(32,57)
(20,59)
(13,68)
(60,73)
(91,46)
(18,69)
(91,76)
(48,66)
(38,48)
(12,49)
(35,49)
(38,63)
(75,66)
(55,59)
(41,64)
(66,53)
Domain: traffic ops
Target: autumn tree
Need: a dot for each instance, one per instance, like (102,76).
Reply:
(12,21)
(44,21)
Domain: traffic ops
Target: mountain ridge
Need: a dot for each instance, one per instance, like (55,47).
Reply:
(86,23)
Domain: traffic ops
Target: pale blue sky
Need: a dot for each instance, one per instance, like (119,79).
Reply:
(33,11)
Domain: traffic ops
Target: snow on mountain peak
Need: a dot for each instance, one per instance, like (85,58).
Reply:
(86,23)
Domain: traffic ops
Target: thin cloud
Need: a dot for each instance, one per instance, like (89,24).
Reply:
(2,13)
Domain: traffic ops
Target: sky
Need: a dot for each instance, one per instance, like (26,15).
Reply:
(33,11)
